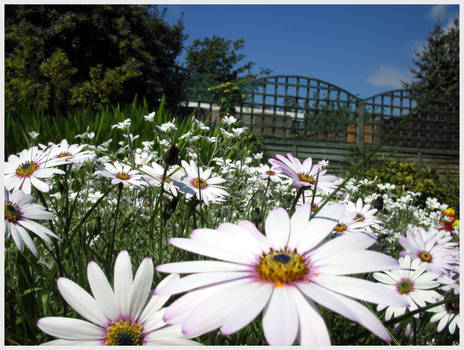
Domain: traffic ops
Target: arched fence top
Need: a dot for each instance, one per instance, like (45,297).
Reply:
(301,77)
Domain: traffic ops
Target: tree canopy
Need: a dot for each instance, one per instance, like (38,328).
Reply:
(61,56)
(437,63)
(217,58)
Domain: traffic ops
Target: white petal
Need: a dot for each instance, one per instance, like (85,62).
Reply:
(70,328)
(346,307)
(250,227)
(248,309)
(16,238)
(357,261)
(297,223)
(156,302)
(280,318)
(361,289)
(141,288)
(238,246)
(178,311)
(384,278)
(26,185)
(123,282)
(201,266)
(312,330)
(27,240)
(277,227)
(155,321)
(209,250)
(352,241)
(39,184)
(320,226)
(209,315)
(246,238)
(81,301)
(102,291)
(198,280)
(38,229)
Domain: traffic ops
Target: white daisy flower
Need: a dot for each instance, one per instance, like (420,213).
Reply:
(267,173)
(33,134)
(121,173)
(150,117)
(124,125)
(71,153)
(280,274)
(20,213)
(365,214)
(31,166)
(153,175)
(304,174)
(129,314)
(450,281)
(167,126)
(412,282)
(229,120)
(419,244)
(446,314)
(199,183)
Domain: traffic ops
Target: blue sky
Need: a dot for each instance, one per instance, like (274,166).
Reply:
(365,49)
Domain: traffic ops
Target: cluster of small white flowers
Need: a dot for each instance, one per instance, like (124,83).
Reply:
(168,126)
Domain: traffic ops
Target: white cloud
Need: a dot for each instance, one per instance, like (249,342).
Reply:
(389,77)
(438,12)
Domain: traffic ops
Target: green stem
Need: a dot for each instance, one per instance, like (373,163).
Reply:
(115,226)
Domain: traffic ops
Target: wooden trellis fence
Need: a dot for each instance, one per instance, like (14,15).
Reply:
(311,117)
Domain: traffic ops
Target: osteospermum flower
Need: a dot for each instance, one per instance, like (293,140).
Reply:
(31,166)
(199,183)
(412,282)
(120,173)
(304,174)
(364,213)
(20,213)
(419,244)
(446,314)
(153,175)
(129,314)
(71,153)
(281,275)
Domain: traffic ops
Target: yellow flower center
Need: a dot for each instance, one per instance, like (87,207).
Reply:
(306,178)
(123,176)
(339,227)
(314,207)
(405,286)
(198,182)
(270,173)
(124,333)
(64,155)
(12,212)
(282,267)
(359,218)
(425,256)
(26,169)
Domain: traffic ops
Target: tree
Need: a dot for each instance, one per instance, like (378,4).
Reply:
(217,58)
(61,56)
(437,64)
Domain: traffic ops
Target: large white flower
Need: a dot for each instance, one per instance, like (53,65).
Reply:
(280,274)
(20,213)
(129,315)
(198,182)
(412,282)
(305,174)
(30,166)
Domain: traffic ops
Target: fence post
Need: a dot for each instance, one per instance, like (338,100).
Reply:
(360,126)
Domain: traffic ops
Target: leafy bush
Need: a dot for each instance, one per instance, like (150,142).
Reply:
(408,177)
